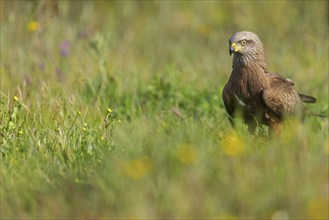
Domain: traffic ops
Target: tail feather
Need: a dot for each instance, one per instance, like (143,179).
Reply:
(307,98)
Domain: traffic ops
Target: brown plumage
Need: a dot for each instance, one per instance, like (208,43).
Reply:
(259,96)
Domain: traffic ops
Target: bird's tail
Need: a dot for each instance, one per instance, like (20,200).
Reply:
(310,99)
(307,98)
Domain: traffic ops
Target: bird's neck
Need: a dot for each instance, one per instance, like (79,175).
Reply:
(254,59)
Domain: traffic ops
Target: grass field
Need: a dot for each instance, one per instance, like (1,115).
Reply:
(114,110)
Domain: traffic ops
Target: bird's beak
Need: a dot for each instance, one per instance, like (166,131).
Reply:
(233,48)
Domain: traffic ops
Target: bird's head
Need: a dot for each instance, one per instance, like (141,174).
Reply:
(245,43)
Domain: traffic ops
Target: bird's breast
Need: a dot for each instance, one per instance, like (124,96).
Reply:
(248,82)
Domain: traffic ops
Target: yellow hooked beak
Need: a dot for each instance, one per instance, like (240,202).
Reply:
(233,48)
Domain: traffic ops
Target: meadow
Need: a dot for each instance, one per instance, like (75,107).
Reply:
(113,109)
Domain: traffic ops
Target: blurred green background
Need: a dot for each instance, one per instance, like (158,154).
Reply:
(112,109)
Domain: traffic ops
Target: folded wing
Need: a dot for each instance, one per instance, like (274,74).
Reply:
(281,98)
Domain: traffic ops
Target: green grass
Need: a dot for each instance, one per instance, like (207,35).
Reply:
(130,123)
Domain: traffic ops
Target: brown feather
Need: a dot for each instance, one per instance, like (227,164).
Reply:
(258,95)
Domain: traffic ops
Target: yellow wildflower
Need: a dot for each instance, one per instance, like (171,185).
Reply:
(227,216)
(187,154)
(138,168)
(233,145)
(20,132)
(109,110)
(15,99)
(33,26)
(317,208)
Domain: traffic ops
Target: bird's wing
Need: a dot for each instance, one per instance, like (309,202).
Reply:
(275,75)
(281,97)
(304,98)
(227,97)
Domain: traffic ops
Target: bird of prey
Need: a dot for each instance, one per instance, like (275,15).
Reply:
(254,93)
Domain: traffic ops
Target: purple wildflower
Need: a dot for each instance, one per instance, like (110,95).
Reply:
(65,47)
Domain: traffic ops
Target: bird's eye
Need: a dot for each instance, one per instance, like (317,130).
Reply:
(243,42)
